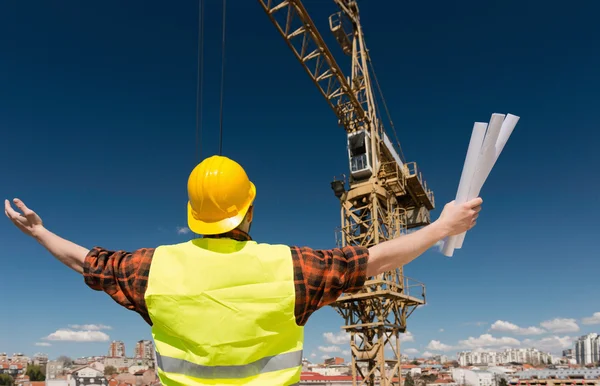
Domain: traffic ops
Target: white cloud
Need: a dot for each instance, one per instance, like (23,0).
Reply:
(427,354)
(560,325)
(330,349)
(407,337)
(594,319)
(411,351)
(78,336)
(346,353)
(441,330)
(183,230)
(43,344)
(501,325)
(436,345)
(487,340)
(531,331)
(341,338)
(553,344)
(90,327)
(313,355)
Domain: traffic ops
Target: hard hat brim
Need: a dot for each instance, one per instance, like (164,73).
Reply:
(222,226)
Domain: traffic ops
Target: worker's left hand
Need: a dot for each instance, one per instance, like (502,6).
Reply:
(28,222)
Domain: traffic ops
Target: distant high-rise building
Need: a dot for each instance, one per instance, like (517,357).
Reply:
(40,359)
(116,349)
(55,369)
(440,358)
(333,361)
(144,349)
(569,354)
(492,358)
(587,349)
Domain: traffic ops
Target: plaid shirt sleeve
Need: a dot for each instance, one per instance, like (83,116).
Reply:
(122,275)
(321,276)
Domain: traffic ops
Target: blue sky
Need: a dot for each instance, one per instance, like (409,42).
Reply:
(97,118)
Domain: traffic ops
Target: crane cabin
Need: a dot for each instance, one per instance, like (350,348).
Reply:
(360,155)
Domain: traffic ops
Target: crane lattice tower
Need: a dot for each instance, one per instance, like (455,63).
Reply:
(386,196)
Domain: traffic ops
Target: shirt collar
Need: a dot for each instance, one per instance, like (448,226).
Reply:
(235,234)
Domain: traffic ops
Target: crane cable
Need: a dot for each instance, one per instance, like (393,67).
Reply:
(222,80)
(199,84)
(199,79)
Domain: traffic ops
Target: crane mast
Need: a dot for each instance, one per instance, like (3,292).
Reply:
(386,195)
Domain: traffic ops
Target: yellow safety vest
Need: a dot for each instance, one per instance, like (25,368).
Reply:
(223,314)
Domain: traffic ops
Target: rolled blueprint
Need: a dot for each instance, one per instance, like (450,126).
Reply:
(502,136)
(505,131)
(477,168)
(466,177)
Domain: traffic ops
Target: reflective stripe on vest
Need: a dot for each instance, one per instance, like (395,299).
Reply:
(264,365)
(224,311)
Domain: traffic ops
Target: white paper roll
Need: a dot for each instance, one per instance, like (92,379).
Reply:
(477,136)
(504,132)
(484,164)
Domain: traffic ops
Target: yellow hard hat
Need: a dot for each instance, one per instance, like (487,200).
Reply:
(220,194)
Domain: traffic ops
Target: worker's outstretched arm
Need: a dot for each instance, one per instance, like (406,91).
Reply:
(391,254)
(68,253)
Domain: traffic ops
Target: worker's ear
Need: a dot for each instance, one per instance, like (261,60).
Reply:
(250,214)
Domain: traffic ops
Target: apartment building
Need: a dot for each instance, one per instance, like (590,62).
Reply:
(521,355)
(144,349)
(116,349)
(587,349)
(473,377)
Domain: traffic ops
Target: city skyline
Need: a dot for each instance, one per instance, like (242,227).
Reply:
(553,336)
(98,370)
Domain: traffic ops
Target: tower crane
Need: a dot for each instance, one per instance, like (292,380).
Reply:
(386,196)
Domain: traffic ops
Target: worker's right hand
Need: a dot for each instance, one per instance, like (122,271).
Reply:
(28,222)
(459,218)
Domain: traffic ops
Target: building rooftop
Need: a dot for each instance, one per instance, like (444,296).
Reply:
(560,373)
(316,377)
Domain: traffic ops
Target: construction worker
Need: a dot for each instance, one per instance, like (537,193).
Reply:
(224,309)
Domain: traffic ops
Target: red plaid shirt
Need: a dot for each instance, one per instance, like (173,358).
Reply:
(320,276)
